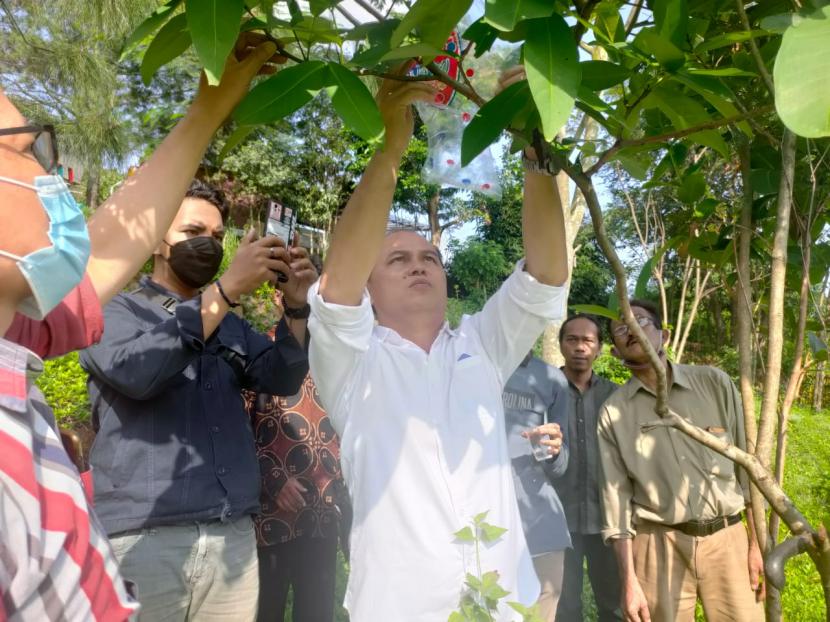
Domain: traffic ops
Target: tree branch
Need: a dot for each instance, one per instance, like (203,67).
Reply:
(466,91)
(753,47)
(637,142)
(772,491)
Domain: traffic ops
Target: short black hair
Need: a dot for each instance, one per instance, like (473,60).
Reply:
(649,307)
(581,316)
(207,192)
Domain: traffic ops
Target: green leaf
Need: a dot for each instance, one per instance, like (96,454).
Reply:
(723,72)
(714,92)
(779,23)
(319,6)
(478,518)
(149,26)
(764,181)
(692,189)
(493,117)
(473,581)
(234,140)
(433,19)
(552,65)
(596,310)
(608,23)
(465,535)
(281,94)
(505,14)
(587,96)
(664,51)
(214,26)
(491,533)
(354,104)
(482,34)
(599,75)
(802,76)
(416,50)
(171,41)
(684,112)
(634,163)
(729,38)
(670,17)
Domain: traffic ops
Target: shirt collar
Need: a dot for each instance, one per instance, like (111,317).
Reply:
(591,382)
(390,335)
(679,377)
(18,366)
(147,281)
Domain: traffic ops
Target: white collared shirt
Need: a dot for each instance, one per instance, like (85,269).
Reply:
(423,448)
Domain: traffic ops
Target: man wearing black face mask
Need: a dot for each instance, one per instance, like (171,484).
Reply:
(174,463)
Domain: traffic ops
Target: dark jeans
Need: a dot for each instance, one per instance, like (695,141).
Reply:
(306,564)
(603,574)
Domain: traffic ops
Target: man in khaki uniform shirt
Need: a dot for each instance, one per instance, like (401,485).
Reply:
(672,507)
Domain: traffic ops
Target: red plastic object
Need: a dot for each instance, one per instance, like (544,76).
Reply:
(89,489)
(465,117)
(450,162)
(470,73)
(485,186)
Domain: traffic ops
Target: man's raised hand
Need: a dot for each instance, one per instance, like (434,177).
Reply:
(254,54)
(395,99)
(257,260)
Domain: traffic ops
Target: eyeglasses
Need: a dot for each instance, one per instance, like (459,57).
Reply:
(622,329)
(45,145)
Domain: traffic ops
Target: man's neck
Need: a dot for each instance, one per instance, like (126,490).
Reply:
(580,378)
(422,331)
(164,276)
(648,376)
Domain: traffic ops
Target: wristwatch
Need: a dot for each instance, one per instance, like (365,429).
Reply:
(300,313)
(533,166)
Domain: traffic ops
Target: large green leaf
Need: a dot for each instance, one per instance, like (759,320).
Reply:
(714,92)
(282,94)
(684,112)
(149,26)
(611,314)
(433,19)
(354,103)
(493,117)
(416,50)
(802,76)
(551,61)
(729,38)
(482,34)
(505,14)
(650,42)
(234,140)
(318,6)
(599,75)
(171,41)
(671,16)
(214,26)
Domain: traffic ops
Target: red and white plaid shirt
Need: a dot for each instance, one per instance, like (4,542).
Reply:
(55,560)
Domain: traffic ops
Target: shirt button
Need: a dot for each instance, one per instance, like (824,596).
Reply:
(215,429)
(221,470)
(208,386)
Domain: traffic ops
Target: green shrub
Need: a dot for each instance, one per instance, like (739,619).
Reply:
(609,366)
(63,383)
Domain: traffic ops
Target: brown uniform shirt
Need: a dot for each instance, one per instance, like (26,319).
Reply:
(662,475)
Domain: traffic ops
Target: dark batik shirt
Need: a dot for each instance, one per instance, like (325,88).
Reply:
(295,438)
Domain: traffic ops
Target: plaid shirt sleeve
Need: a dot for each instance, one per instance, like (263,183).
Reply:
(55,560)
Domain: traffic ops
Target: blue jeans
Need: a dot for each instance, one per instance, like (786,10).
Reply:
(194,571)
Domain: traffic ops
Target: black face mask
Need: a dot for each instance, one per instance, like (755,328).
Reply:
(196,260)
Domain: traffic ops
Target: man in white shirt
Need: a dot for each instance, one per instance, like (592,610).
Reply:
(418,405)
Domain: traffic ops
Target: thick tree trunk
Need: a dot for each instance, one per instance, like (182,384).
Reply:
(93,182)
(435,230)
(775,344)
(743,325)
(818,388)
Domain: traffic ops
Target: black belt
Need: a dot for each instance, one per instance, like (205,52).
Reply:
(706,527)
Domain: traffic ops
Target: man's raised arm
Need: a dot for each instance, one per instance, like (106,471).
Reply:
(359,234)
(128,227)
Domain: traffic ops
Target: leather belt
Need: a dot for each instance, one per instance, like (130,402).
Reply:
(707,527)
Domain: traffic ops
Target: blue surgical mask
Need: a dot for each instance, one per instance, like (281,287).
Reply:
(54,271)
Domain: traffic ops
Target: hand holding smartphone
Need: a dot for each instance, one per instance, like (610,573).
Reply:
(281,222)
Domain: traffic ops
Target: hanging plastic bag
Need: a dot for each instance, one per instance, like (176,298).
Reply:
(448,116)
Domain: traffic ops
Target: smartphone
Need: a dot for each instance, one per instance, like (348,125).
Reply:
(282,223)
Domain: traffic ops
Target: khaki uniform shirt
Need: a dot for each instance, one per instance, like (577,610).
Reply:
(664,476)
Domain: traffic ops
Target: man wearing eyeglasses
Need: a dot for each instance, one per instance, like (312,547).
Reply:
(672,507)
(55,272)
